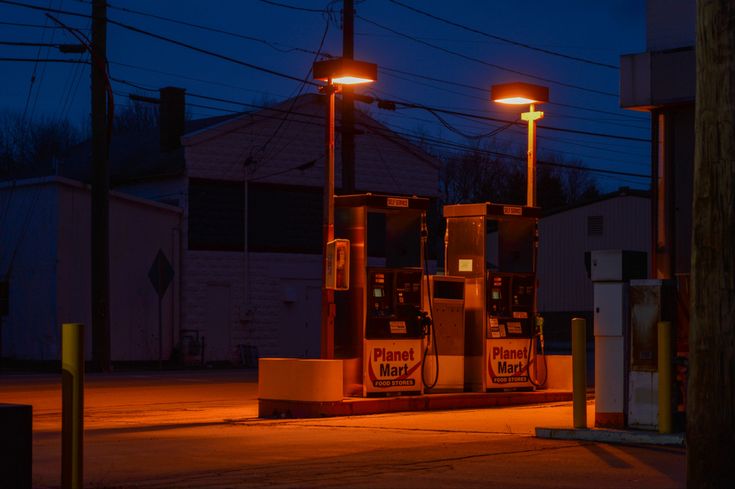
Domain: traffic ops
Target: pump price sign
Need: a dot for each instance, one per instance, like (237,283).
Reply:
(392,365)
(507,362)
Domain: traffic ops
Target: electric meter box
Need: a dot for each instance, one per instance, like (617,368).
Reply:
(617,265)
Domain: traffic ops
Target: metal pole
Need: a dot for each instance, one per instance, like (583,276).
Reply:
(160,332)
(531,185)
(579,372)
(664,377)
(531,116)
(72,405)
(327,326)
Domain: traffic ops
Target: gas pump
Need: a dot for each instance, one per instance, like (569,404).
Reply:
(379,325)
(494,247)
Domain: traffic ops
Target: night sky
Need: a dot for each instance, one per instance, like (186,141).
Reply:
(270,35)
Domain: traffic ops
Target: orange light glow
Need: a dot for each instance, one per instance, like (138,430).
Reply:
(351,80)
(519,93)
(342,71)
(516,101)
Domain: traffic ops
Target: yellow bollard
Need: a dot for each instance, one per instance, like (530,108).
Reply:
(72,404)
(664,377)
(579,372)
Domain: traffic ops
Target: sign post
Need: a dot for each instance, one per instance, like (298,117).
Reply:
(160,274)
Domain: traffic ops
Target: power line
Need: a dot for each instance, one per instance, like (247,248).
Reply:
(275,45)
(429,140)
(485,63)
(295,7)
(290,77)
(505,121)
(45,60)
(21,24)
(485,90)
(272,45)
(61,46)
(165,39)
(561,115)
(504,39)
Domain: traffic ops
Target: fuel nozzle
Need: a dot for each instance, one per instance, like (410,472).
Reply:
(425,322)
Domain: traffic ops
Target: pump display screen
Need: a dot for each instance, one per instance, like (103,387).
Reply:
(496,294)
(394,299)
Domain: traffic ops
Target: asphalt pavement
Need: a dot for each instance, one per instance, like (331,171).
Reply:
(199,429)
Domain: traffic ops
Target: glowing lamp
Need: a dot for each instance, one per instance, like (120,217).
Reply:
(344,71)
(519,93)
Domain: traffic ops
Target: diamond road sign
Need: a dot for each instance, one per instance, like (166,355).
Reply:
(161,274)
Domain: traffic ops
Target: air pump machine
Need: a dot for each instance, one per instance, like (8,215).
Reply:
(493,246)
(379,325)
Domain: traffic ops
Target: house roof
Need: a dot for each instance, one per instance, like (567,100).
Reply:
(136,155)
(621,192)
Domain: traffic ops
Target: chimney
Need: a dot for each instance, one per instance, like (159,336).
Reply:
(171,117)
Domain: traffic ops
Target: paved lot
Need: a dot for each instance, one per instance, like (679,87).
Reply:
(199,430)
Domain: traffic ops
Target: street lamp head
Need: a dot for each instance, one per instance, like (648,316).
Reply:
(519,93)
(344,71)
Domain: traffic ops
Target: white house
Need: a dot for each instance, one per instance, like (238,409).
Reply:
(45,262)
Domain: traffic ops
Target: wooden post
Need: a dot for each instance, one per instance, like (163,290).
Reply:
(711,391)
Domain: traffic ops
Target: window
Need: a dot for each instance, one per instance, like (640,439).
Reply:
(216,215)
(594,225)
(285,219)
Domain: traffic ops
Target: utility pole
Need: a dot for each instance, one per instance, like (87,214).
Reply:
(100,193)
(348,101)
(711,391)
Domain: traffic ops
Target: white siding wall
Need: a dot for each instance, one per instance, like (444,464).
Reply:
(50,280)
(563,282)
(28,239)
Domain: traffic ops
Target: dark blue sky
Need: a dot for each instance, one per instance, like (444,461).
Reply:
(284,39)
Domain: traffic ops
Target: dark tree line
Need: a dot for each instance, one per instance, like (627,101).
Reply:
(485,174)
(30,148)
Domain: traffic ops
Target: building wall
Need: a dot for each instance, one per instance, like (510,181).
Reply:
(258,312)
(50,278)
(563,240)
(28,254)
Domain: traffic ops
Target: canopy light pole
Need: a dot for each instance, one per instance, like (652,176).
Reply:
(525,94)
(335,73)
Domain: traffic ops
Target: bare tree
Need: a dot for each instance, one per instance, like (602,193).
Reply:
(31,148)
(497,173)
(711,400)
